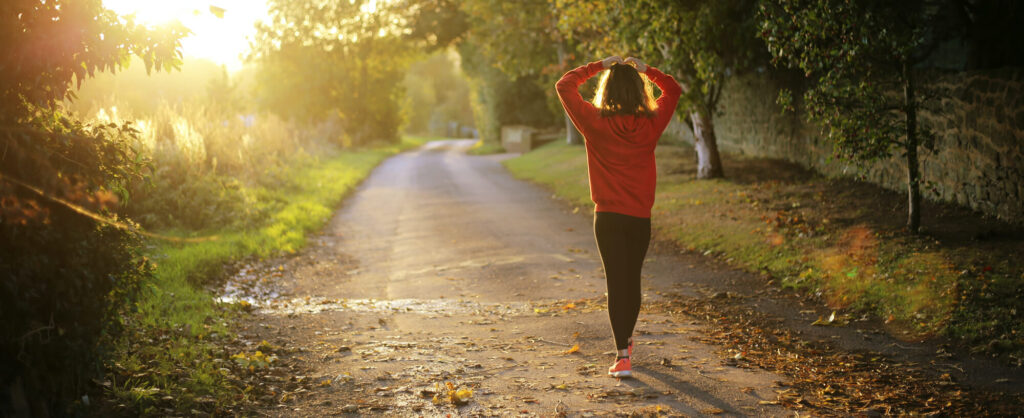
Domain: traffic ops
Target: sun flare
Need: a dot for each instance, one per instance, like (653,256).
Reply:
(219,29)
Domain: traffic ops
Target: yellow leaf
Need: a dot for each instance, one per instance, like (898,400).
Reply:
(463,395)
(575,348)
(217,11)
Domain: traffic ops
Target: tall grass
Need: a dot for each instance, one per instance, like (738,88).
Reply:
(209,163)
(254,183)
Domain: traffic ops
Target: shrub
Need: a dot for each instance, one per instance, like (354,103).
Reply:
(67,279)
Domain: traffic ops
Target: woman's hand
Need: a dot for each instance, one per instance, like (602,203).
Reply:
(640,66)
(612,60)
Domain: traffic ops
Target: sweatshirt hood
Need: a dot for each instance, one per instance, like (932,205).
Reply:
(629,128)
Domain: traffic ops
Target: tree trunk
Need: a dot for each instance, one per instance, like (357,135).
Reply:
(572,135)
(709,164)
(913,164)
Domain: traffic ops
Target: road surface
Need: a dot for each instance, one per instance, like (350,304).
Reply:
(442,268)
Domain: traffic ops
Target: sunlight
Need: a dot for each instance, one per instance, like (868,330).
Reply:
(369,7)
(219,29)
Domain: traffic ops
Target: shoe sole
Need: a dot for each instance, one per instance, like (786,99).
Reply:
(624,373)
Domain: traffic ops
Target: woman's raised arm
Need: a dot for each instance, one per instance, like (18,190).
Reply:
(670,92)
(568,87)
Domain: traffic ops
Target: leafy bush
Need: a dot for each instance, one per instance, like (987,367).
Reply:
(67,279)
(499,99)
(206,161)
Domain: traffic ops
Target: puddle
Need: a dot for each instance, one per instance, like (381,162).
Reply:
(255,284)
(314,305)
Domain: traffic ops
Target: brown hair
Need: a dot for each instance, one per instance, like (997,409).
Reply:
(624,91)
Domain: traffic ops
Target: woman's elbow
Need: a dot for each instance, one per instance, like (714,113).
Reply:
(675,87)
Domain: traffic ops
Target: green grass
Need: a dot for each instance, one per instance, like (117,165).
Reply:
(560,167)
(180,336)
(813,234)
(485,148)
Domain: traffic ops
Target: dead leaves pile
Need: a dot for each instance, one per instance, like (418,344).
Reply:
(207,374)
(830,381)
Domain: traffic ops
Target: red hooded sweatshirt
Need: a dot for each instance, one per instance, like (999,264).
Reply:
(620,148)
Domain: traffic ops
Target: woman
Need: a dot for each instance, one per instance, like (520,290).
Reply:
(621,129)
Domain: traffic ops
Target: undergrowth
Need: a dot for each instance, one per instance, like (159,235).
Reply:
(181,353)
(837,240)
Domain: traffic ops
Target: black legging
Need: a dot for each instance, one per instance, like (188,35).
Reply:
(622,241)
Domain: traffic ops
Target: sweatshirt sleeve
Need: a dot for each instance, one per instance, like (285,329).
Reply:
(670,92)
(568,88)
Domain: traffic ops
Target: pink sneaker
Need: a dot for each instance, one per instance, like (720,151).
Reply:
(621,368)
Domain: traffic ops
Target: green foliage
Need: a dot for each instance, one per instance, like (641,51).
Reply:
(500,99)
(176,345)
(511,52)
(202,159)
(854,51)
(432,24)
(699,42)
(134,90)
(46,46)
(67,280)
(519,38)
(337,59)
(437,93)
(860,56)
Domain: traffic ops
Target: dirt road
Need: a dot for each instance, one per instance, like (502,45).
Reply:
(442,269)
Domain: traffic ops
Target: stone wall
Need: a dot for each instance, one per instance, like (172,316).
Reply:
(978,160)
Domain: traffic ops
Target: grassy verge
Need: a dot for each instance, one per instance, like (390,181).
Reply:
(485,148)
(839,240)
(181,354)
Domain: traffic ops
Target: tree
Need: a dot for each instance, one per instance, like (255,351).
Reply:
(436,94)
(859,56)
(700,42)
(67,279)
(432,24)
(520,39)
(338,58)
(47,47)
(511,52)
